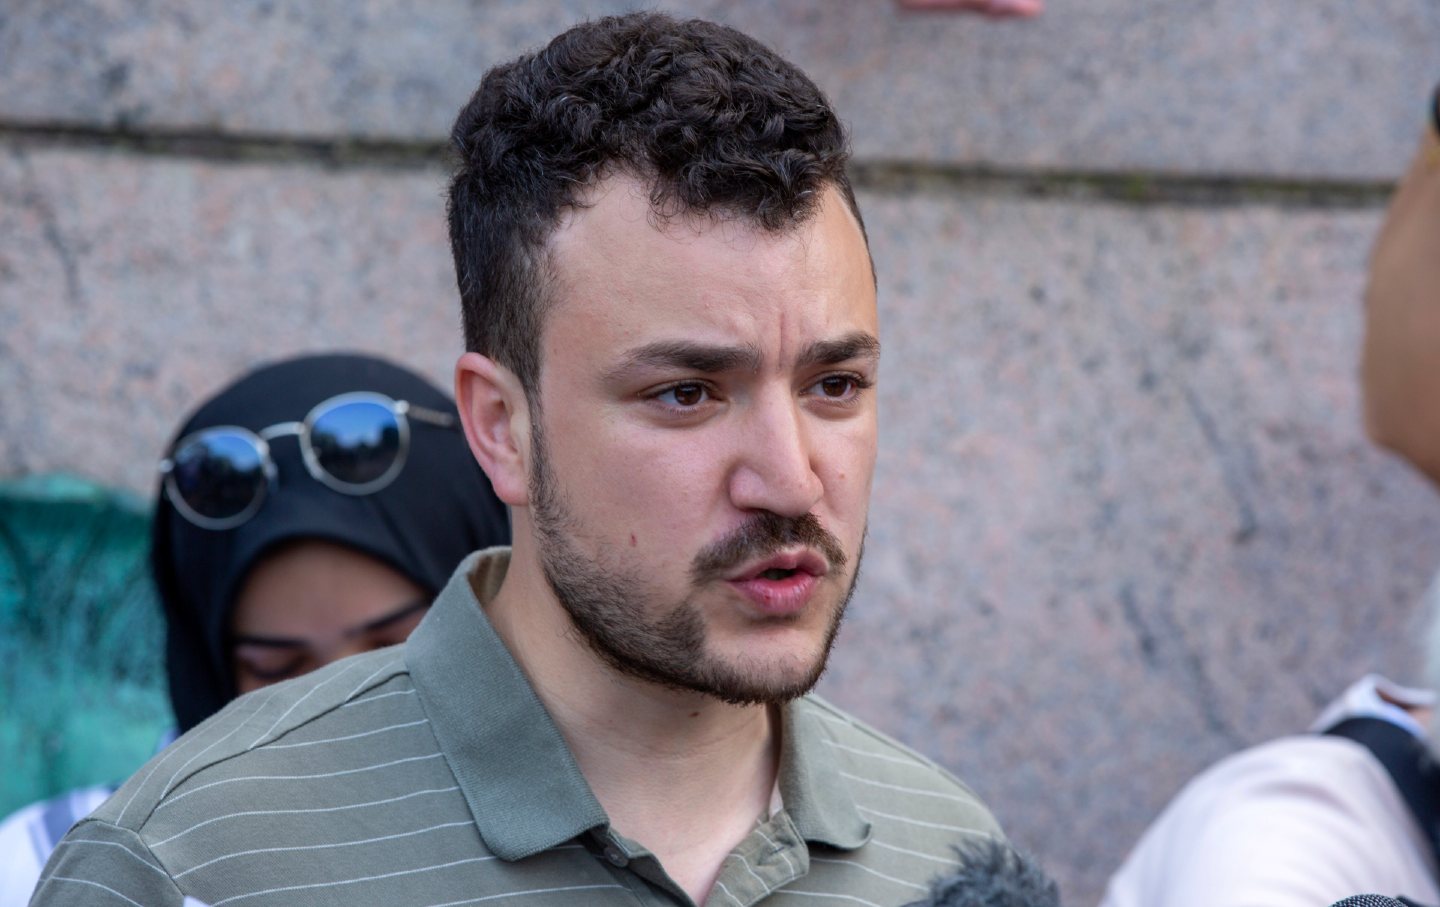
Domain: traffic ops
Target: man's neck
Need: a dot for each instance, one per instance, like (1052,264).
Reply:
(683,774)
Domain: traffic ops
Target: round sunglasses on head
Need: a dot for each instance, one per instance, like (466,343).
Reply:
(354,443)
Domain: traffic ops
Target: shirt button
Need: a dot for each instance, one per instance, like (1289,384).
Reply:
(616,856)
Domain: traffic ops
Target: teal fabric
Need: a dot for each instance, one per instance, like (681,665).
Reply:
(82,692)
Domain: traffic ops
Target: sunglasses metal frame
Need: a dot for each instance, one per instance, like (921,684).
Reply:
(402,410)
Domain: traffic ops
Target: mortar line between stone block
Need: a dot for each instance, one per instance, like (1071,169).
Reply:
(1141,188)
(1131,187)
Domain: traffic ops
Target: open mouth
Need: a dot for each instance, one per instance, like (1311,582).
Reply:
(781,585)
(784,566)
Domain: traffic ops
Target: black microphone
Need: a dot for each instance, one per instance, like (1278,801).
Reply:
(994,874)
(1374,900)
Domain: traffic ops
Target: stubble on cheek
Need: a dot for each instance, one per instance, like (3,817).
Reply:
(623,619)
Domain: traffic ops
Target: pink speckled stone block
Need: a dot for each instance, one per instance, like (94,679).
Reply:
(1125,519)
(1285,88)
(131,287)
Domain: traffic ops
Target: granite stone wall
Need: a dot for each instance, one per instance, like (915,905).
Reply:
(1125,519)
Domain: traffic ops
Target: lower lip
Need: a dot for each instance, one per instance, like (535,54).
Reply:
(778,597)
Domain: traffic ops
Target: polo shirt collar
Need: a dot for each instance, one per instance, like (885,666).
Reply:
(816,796)
(515,770)
(521,783)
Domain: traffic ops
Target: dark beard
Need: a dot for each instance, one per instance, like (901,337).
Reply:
(670,651)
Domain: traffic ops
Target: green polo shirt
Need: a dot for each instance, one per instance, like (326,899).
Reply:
(431,774)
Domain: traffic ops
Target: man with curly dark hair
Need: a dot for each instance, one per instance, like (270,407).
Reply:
(673,346)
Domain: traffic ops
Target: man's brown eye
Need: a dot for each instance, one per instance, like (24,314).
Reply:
(688,394)
(835,385)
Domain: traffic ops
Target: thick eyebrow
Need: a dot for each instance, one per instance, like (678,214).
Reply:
(857,345)
(692,357)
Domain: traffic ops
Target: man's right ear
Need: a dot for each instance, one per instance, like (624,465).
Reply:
(496,415)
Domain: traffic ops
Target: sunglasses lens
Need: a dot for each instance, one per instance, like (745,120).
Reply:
(219,474)
(356,443)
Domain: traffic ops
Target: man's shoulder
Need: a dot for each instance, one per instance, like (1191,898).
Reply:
(893,784)
(285,728)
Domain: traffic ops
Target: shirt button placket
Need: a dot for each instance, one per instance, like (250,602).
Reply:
(616,856)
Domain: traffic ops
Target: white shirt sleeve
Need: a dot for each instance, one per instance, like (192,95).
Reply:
(29,835)
(1298,822)
(19,862)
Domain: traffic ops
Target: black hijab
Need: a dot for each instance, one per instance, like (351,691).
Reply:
(440,508)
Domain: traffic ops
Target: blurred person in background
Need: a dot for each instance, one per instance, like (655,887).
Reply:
(309,511)
(1354,806)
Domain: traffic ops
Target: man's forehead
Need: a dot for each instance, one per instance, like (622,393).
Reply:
(621,236)
(617,218)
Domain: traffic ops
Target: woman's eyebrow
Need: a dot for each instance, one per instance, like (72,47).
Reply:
(269,642)
(288,642)
(400,613)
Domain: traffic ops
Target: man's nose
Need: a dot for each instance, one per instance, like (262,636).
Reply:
(775,465)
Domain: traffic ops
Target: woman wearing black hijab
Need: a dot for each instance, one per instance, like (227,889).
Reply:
(310,510)
(437,508)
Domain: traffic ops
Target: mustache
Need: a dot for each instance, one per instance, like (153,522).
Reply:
(764,535)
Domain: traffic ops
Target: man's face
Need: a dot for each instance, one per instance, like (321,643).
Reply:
(705,440)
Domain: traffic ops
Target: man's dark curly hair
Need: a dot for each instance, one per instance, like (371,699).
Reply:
(713,121)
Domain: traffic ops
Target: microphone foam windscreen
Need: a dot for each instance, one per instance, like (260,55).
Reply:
(993,874)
